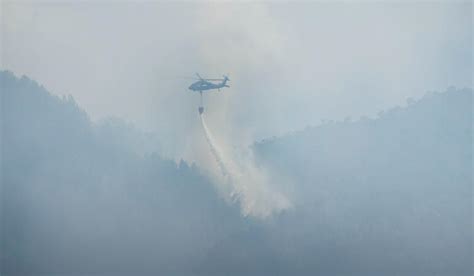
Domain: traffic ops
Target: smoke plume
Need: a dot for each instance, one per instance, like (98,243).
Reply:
(242,182)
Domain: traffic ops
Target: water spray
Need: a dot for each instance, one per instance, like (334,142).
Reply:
(246,185)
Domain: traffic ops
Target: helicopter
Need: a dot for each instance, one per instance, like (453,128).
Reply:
(207,85)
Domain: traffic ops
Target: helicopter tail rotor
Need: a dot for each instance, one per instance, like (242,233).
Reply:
(225,80)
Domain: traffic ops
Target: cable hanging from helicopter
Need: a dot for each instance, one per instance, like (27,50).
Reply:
(207,85)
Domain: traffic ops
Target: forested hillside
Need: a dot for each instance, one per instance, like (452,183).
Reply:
(385,196)
(77,197)
(392,193)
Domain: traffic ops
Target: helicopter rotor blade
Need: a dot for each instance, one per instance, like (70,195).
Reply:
(200,78)
(177,78)
(187,78)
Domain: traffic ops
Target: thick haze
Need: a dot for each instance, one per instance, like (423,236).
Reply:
(376,197)
(340,148)
(290,64)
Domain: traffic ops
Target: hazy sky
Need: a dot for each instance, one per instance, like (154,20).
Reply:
(290,64)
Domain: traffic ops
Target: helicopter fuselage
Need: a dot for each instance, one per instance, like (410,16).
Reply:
(204,85)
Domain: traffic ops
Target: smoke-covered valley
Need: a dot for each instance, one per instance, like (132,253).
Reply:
(390,195)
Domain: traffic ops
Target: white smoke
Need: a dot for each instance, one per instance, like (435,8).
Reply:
(235,39)
(243,183)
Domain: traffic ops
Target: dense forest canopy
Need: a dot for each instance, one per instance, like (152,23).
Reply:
(382,196)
